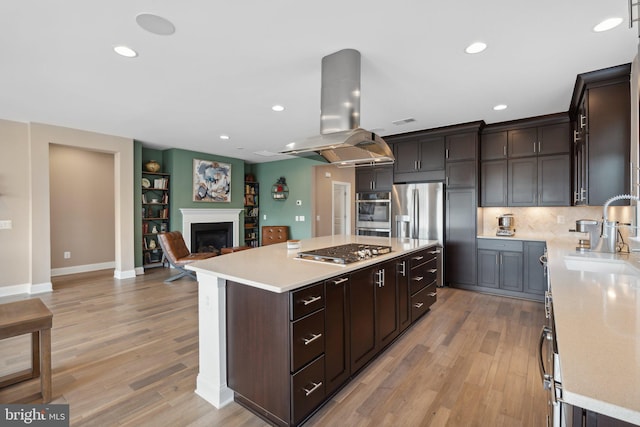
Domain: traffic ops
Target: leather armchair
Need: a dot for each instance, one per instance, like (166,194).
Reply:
(176,252)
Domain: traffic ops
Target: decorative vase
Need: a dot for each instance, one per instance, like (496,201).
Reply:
(152,166)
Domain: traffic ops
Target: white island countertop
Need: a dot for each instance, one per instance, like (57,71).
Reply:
(277,269)
(596,301)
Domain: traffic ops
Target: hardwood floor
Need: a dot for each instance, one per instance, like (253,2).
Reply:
(125,352)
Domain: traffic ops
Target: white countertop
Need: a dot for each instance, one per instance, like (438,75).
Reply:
(518,236)
(597,319)
(276,269)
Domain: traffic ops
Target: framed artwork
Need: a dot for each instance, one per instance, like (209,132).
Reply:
(211,181)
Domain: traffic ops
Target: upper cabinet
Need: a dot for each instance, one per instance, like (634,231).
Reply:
(601,120)
(374,178)
(526,162)
(419,157)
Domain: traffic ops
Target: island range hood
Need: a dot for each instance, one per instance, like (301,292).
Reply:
(341,140)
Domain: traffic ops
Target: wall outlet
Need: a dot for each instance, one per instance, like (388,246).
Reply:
(6,224)
(67,255)
(301,217)
(560,219)
(264,217)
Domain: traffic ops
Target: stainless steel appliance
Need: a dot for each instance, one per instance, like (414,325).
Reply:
(344,254)
(506,225)
(373,214)
(559,413)
(417,211)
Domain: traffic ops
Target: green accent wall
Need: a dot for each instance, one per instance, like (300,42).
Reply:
(299,176)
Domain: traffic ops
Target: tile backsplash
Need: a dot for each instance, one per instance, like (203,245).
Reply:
(552,222)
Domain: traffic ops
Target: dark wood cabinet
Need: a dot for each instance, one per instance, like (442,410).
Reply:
(461,174)
(418,158)
(404,301)
(338,333)
(374,178)
(461,146)
(532,169)
(424,278)
(460,236)
(601,114)
(500,264)
(534,274)
(493,182)
(373,311)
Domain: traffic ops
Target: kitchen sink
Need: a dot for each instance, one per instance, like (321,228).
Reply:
(599,265)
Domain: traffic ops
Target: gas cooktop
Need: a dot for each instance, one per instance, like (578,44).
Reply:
(344,254)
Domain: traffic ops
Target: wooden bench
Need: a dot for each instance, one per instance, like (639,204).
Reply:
(30,316)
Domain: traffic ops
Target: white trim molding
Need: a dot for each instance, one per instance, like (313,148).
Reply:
(204,216)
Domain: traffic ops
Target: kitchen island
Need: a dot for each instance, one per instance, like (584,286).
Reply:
(596,305)
(272,273)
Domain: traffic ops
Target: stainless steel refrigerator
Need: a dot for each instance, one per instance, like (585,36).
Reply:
(417,211)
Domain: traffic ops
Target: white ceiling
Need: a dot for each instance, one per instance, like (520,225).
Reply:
(230,61)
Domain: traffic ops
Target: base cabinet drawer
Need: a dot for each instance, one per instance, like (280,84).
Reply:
(307,389)
(307,339)
(307,301)
(421,301)
(424,275)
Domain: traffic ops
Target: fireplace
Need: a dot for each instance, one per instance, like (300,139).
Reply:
(194,216)
(211,236)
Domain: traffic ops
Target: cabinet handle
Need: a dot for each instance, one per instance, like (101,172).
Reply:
(307,391)
(504,150)
(380,278)
(500,259)
(417,278)
(446,181)
(314,337)
(311,300)
(417,258)
(338,281)
(576,136)
(437,251)
(404,268)
(418,304)
(539,147)
(534,147)
(433,294)
(583,118)
(497,259)
(415,164)
(447,153)
(433,270)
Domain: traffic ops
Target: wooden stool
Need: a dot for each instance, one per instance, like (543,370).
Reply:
(30,316)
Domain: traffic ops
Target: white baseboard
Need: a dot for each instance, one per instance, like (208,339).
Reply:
(39,288)
(124,274)
(139,271)
(25,289)
(82,268)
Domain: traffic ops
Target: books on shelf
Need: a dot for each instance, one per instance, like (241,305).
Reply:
(160,183)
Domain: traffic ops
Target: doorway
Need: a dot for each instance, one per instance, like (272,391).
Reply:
(340,211)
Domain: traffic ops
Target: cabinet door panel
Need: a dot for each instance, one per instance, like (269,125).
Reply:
(383,178)
(522,142)
(462,146)
(554,139)
(493,146)
(406,153)
(534,280)
(364,179)
(432,154)
(493,184)
(461,174)
(387,307)
(460,240)
(554,180)
(362,306)
(337,329)
(488,268)
(523,182)
(511,271)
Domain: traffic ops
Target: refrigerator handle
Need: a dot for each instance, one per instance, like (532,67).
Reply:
(416,214)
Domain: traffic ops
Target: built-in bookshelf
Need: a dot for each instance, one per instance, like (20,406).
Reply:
(155,216)
(251,213)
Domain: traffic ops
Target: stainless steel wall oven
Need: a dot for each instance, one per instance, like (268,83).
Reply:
(373,214)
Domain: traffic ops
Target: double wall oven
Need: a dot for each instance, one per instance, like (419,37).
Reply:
(373,210)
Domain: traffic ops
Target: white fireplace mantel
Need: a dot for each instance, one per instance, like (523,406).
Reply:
(203,216)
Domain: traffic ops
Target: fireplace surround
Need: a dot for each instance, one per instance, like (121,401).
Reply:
(205,216)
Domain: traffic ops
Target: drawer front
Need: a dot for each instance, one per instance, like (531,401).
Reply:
(307,389)
(421,301)
(500,245)
(307,301)
(307,339)
(423,275)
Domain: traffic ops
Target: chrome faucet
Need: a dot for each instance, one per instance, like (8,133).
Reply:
(609,238)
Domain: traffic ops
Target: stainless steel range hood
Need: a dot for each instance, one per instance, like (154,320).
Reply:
(341,140)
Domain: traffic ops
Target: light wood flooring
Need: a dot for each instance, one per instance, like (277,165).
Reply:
(125,352)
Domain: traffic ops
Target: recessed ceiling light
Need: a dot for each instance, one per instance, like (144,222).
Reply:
(476,47)
(607,24)
(277,108)
(125,51)
(500,107)
(224,136)
(155,24)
